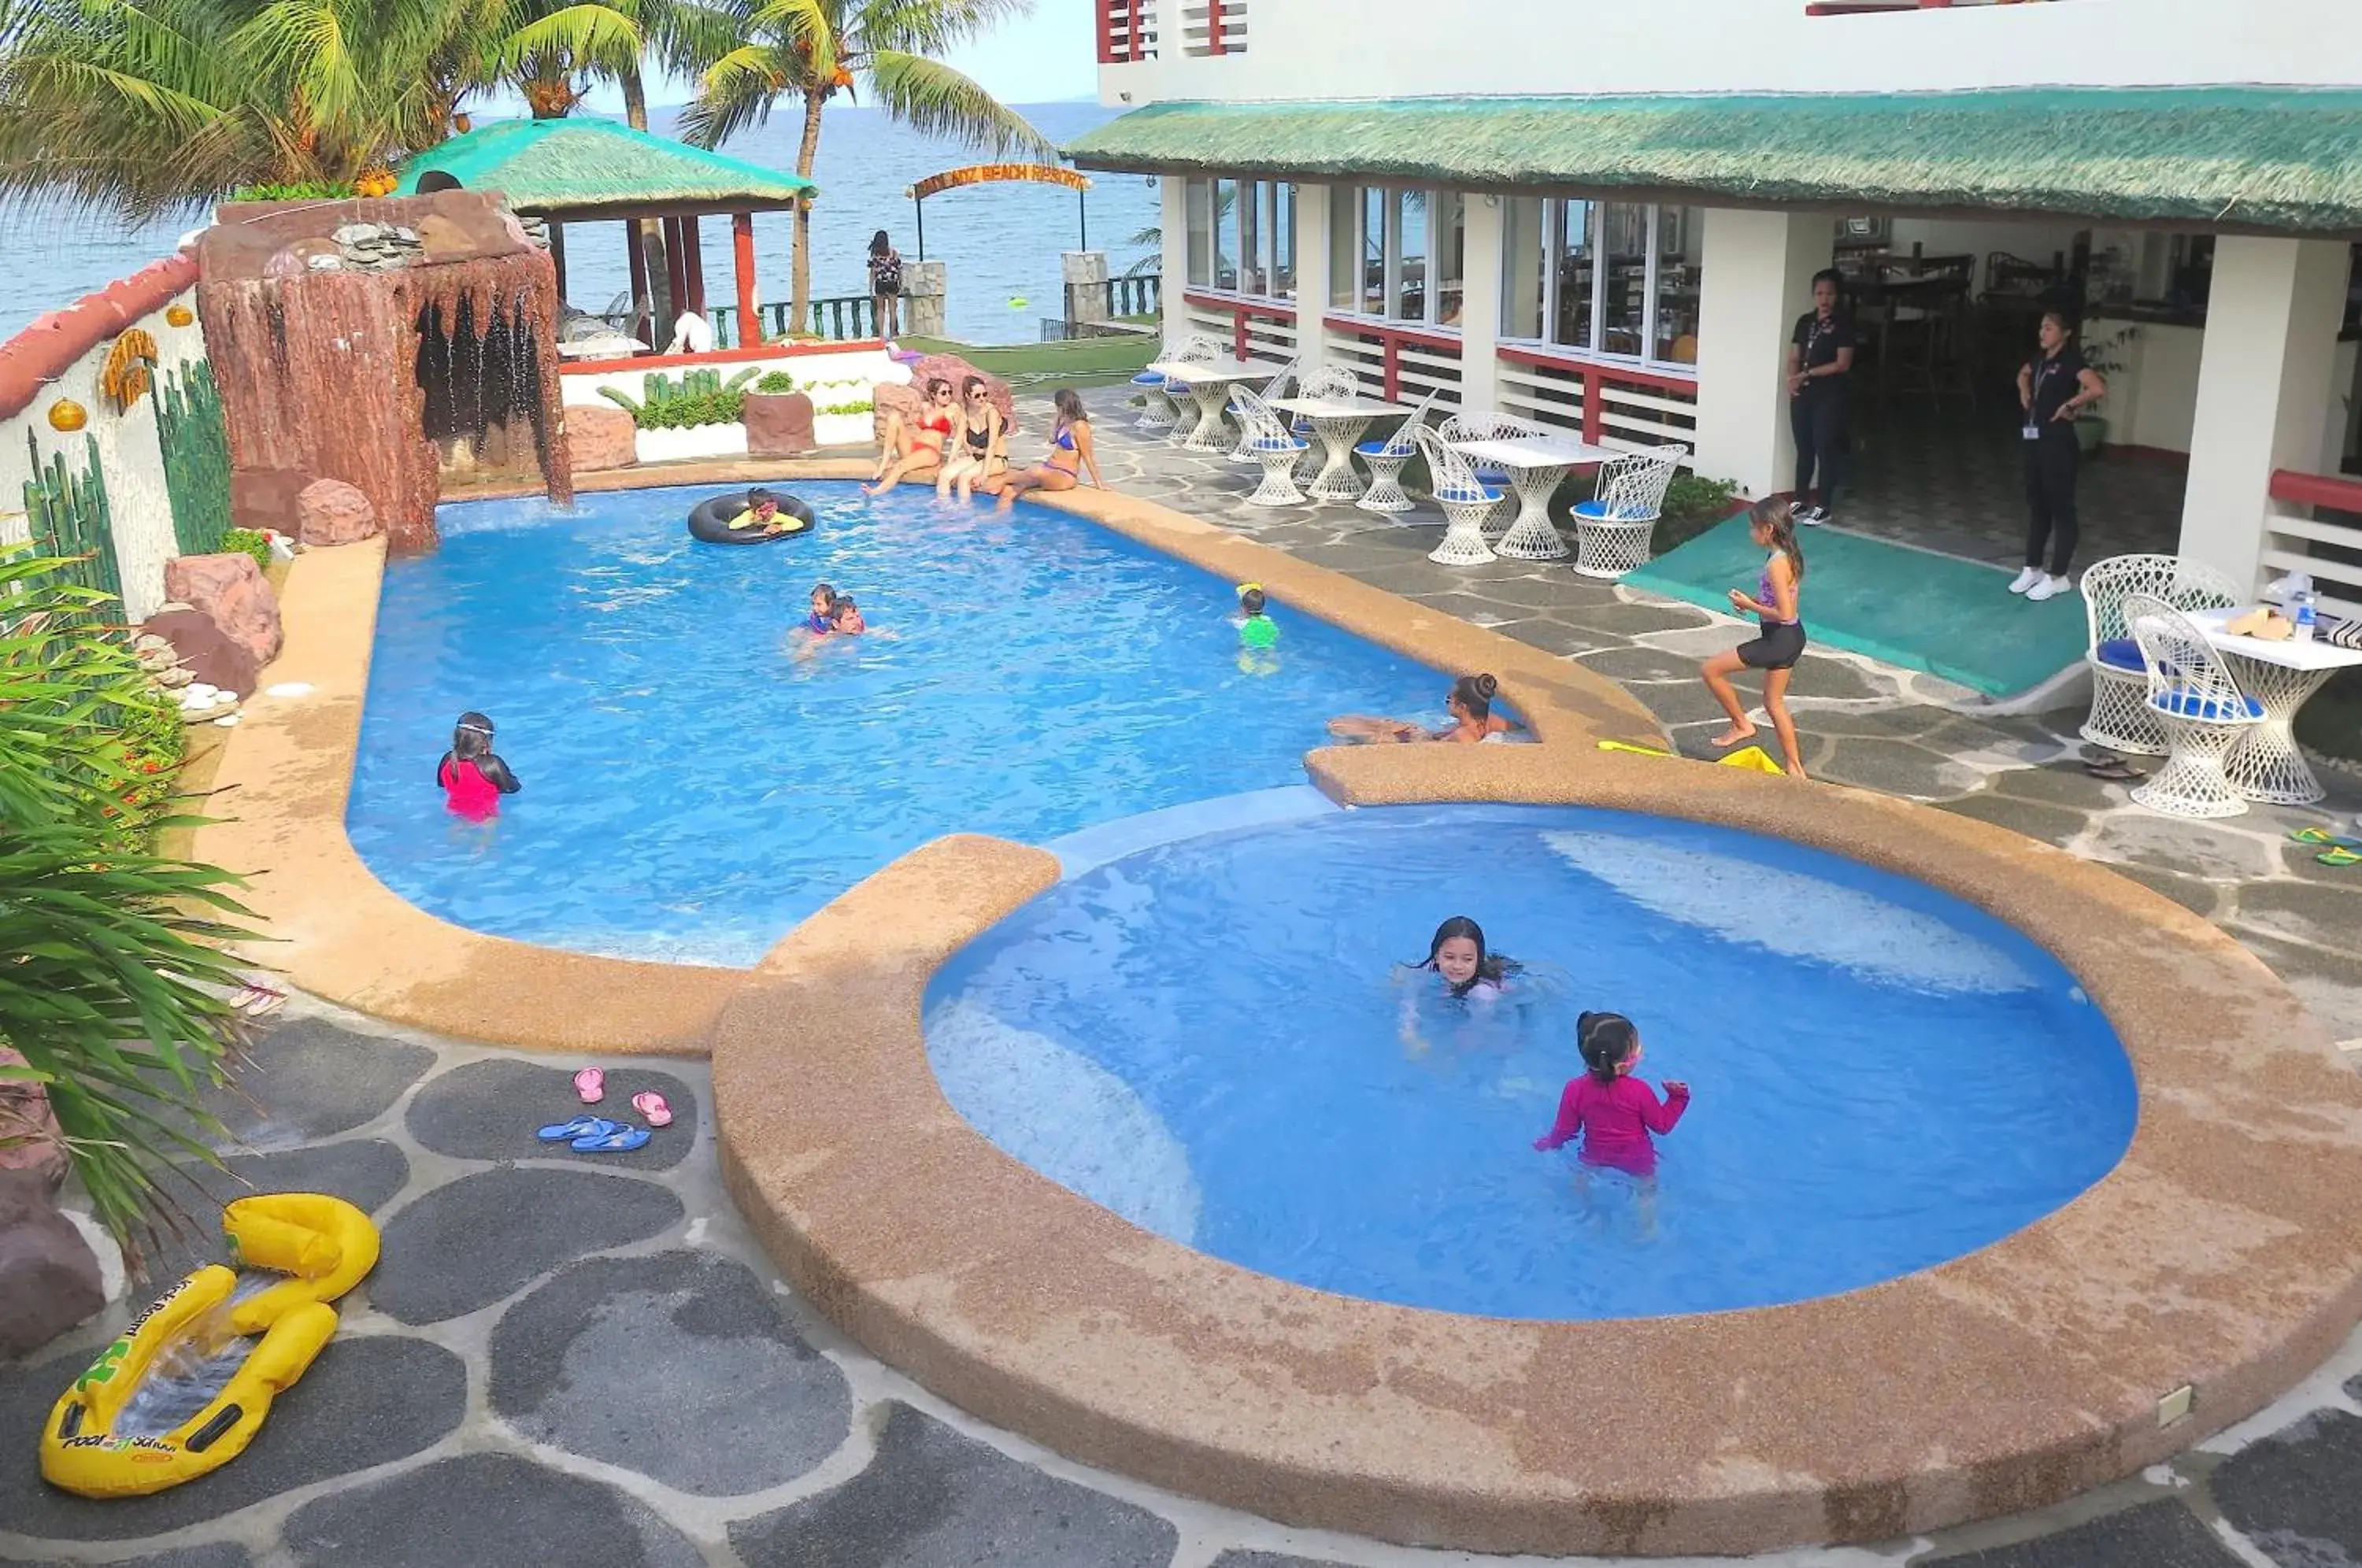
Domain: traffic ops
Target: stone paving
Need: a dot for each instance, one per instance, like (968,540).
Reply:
(586,1360)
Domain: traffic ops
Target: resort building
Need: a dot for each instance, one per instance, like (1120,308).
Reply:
(1607,219)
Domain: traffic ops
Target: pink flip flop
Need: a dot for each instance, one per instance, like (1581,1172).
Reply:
(651,1105)
(591,1083)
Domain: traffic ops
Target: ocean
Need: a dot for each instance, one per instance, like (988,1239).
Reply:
(1001,242)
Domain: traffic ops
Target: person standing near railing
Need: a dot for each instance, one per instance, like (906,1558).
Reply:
(885,283)
(1820,363)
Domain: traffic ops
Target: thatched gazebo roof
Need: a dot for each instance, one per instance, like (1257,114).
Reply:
(2234,159)
(575,171)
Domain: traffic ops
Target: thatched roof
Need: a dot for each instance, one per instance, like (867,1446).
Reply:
(2231,157)
(573,170)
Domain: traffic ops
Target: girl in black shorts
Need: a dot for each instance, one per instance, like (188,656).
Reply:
(1777,645)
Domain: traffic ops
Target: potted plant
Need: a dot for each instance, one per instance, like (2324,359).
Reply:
(698,416)
(2106,355)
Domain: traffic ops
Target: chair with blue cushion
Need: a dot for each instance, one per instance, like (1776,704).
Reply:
(1273,446)
(2120,718)
(2197,704)
(1336,383)
(1160,410)
(1276,387)
(1386,460)
(1612,530)
(1465,500)
(1492,424)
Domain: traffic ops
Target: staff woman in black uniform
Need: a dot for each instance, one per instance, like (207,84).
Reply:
(1820,359)
(2053,386)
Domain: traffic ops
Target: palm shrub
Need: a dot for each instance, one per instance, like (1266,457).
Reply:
(114,954)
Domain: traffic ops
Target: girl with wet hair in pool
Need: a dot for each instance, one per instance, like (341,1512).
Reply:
(1457,952)
(1615,1112)
(1469,710)
(471,777)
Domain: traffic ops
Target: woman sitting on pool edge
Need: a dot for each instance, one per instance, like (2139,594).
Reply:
(1472,720)
(904,452)
(1071,453)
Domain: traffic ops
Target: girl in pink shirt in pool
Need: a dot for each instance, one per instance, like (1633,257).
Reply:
(1614,1112)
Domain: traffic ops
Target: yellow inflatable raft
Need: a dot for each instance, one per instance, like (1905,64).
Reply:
(1752,757)
(185,1388)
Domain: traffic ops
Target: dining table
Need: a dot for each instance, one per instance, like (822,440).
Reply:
(1209,385)
(1337,424)
(2268,765)
(1535,465)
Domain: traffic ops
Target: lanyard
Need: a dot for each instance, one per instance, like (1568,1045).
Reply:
(1814,332)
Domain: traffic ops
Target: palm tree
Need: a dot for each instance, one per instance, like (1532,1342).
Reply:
(809,51)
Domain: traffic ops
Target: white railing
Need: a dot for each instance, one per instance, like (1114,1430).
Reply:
(2328,549)
(1602,404)
(1213,26)
(1268,337)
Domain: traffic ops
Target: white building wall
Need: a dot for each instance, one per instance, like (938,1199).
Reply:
(1389,49)
(1312,273)
(1757,280)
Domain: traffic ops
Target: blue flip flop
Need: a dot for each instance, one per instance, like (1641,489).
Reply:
(579,1127)
(620,1138)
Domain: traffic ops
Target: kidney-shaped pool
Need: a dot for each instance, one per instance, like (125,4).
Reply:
(1213,1038)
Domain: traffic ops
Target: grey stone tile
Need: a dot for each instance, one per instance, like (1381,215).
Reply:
(2176,843)
(489,1110)
(2328,983)
(1689,702)
(307,1080)
(2066,785)
(1556,589)
(933,1498)
(1640,663)
(2301,862)
(218,1554)
(1879,723)
(369,1400)
(1555,637)
(2325,915)
(1897,768)
(1236,1559)
(467,1244)
(1475,609)
(2162,1534)
(364,1172)
(1831,677)
(1631,620)
(2190,892)
(2051,825)
(664,1364)
(479,1510)
(2293,1493)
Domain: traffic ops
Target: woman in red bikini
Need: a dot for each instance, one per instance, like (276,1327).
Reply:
(906,453)
(471,777)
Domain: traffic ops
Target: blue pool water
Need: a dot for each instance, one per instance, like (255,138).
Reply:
(692,788)
(1209,1038)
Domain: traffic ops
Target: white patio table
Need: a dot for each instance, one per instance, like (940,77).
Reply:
(1210,385)
(2280,677)
(1339,423)
(1535,464)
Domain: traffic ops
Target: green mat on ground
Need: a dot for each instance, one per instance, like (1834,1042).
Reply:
(1952,618)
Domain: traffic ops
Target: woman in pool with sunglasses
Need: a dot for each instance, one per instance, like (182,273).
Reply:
(906,453)
(1472,721)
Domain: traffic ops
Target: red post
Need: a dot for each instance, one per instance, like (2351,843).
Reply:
(692,247)
(1594,407)
(676,272)
(742,248)
(1392,363)
(1107,31)
(1237,334)
(635,266)
(557,254)
(1214,35)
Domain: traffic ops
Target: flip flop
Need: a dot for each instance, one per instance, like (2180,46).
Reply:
(2116,770)
(2340,855)
(2325,838)
(591,1083)
(652,1106)
(583,1126)
(257,1000)
(619,1138)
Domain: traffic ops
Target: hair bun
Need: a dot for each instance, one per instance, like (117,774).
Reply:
(1487,685)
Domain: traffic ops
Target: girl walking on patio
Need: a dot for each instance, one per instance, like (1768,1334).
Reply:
(1780,642)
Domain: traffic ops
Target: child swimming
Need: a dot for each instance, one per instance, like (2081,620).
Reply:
(1613,1110)
(1257,629)
(823,610)
(1470,973)
(471,777)
(844,618)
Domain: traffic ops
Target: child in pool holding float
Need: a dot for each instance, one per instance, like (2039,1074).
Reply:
(471,777)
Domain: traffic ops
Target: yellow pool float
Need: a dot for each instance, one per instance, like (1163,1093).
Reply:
(186,1386)
(1754,758)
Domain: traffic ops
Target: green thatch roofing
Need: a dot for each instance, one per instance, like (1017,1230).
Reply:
(2226,156)
(571,168)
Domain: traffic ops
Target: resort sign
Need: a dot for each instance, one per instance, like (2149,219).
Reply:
(995,174)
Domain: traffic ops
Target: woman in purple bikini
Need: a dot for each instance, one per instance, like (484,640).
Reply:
(1779,642)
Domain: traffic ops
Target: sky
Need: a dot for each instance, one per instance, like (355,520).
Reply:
(1040,58)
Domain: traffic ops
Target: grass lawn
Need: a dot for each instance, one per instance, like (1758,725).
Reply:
(1078,362)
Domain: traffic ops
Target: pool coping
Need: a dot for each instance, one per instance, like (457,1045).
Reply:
(340,933)
(2223,1253)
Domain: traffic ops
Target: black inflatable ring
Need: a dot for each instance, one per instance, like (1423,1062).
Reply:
(709,519)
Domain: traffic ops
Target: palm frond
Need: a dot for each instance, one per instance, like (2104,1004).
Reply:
(930,97)
(932,27)
(737,91)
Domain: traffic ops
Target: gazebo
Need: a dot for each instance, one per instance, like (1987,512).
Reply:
(587,170)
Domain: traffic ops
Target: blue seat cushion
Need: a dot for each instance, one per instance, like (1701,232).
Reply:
(2120,652)
(1148,379)
(2184,703)
(1457,495)
(1275,444)
(1493,476)
(1597,511)
(1378,449)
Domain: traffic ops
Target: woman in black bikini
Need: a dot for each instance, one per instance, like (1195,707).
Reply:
(971,457)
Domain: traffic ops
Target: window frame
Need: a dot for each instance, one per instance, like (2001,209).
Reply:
(1391,201)
(1551,231)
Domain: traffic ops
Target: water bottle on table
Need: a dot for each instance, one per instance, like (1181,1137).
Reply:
(2301,610)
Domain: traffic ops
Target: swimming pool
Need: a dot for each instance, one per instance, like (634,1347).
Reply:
(692,790)
(1208,1038)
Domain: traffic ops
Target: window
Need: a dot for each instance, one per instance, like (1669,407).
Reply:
(1258,229)
(1226,255)
(1613,278)
(1255,260)
(1344,248)
(1378,247)
(1283,241)
(1406,217)
(1450,249)
(1397,254)
(1198,202)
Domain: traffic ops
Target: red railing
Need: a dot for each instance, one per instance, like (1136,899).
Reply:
(1242,311)
(1596,377)
(1123,31)
(1391,340)
(2317,490)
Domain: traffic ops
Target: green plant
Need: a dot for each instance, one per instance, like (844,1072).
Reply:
(195,442)
(857,405)
(253,541)
(294,190)
(775,381)
(115,954)
(1693,504)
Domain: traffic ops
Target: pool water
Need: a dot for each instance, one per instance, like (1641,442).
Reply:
(1211,1038)
(692,788)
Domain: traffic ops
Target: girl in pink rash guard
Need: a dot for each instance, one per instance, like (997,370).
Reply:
(1614,1112)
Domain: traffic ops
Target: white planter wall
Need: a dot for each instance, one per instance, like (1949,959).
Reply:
(844,429)
(697,441)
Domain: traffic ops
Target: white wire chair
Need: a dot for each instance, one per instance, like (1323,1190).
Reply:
(1275,387)
(1492,424)
(1273,446)
(1161,411)
(1613,528)
(2199,706)
(2120,718)
(1386,460)
(1465,502)
(1337,383)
